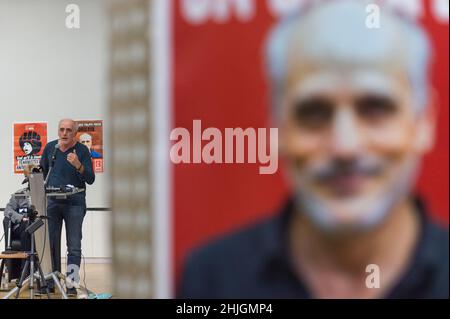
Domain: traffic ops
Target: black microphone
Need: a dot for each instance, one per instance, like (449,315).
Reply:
(37,169)
(32,212)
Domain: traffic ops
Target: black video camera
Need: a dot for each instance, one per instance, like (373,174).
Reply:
(31,213)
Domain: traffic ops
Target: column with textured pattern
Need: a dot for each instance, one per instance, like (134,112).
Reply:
(130,187)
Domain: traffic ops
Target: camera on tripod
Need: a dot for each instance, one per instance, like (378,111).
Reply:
(31,213)
(35,221)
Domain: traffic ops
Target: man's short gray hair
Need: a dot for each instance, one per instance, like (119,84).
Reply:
(75,124)
(85,137)
(339,34)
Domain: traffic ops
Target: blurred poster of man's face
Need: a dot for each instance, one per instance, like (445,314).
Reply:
(86,139)
(348,125)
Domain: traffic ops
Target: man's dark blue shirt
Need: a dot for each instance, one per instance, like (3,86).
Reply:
(255,263)
(64,173)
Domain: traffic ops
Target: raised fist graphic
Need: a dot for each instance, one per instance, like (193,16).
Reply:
(30,142)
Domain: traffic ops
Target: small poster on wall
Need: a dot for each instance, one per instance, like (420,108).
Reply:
(29,143)
(90,133)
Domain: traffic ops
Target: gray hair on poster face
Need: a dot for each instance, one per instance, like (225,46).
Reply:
(335,31)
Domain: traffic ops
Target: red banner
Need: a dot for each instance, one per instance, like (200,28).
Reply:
(218,77)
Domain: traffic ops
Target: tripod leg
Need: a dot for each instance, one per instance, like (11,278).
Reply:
(56,276)
(13,291)
(22,277)
(32,278)
(43,280)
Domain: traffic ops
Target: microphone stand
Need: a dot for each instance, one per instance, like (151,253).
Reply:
(52,163)
(48,175)
(8,245)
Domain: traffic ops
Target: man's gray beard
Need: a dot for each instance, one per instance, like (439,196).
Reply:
(376,211)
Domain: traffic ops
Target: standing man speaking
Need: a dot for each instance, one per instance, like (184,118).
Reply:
(72,165)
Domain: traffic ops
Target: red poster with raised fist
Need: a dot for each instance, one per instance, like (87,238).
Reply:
(29,142)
